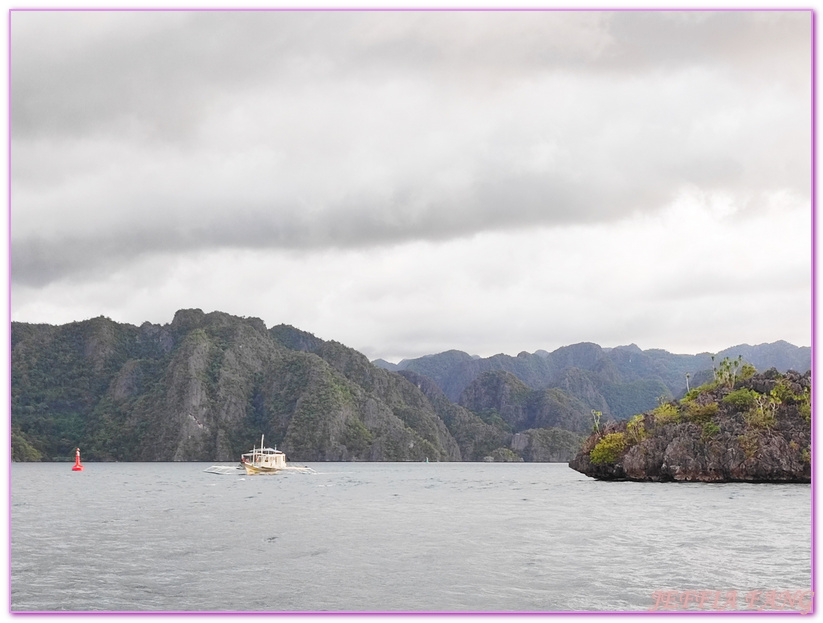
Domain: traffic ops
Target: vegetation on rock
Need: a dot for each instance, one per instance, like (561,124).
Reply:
(608,448)
(738,427)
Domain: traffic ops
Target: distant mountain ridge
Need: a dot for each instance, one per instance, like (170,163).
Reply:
(619,381)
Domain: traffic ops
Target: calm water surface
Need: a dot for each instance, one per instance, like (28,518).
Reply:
(391,536)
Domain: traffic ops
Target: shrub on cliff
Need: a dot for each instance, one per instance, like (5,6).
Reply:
(785,393)
(636,429)
(710,429)
(730,370)
(805,411)
(608,449)
(762,414)
(741,399)
(701,413)
(666,413)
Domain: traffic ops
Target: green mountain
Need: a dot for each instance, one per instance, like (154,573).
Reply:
(477,438)
(501,396)
(206,386)
(619,382)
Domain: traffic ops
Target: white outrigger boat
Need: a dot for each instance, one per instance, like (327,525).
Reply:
(264,460)
(260,460)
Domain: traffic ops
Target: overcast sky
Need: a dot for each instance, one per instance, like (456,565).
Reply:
(411,182)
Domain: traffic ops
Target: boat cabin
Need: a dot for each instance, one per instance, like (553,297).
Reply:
(267,458)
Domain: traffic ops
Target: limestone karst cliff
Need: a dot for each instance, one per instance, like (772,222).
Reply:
(206,386)
(755,429)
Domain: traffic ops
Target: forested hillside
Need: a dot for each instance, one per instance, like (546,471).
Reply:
(619,382)
(206,386)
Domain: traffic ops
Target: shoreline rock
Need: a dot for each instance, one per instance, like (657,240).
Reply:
(757,430)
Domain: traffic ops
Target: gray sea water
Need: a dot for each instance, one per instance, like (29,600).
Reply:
(398,537)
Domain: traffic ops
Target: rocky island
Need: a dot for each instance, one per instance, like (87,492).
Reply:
(740,427)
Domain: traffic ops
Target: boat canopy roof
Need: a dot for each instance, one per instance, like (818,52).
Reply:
(263,451)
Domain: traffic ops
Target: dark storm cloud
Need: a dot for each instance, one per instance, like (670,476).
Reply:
(163,132)
(37,260)
(160,70)
(162,67)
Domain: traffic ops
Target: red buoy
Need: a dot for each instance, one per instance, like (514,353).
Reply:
(77,467)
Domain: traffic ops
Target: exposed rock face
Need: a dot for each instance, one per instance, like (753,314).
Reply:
(476,438)
(503,395)
(206,386)
(758,430)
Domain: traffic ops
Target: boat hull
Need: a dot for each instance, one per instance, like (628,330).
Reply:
(252,470)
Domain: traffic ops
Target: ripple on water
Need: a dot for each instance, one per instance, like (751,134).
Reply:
(371,536)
